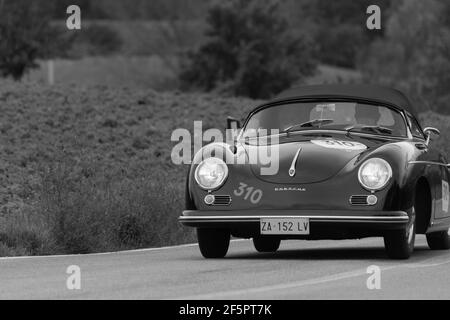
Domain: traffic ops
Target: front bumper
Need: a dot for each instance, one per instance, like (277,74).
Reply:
(323,223)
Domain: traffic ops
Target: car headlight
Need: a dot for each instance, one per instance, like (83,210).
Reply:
(211,173)
(374,174)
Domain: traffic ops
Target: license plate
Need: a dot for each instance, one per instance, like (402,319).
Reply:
(285,226)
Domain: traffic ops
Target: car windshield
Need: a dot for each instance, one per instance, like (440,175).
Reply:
(345,116)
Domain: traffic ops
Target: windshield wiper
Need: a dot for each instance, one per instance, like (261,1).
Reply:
(308,124)
(376,129)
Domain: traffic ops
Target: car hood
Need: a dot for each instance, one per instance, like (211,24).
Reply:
(318,158)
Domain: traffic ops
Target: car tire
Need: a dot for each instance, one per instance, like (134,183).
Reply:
(399,244)
(438,240)
(213,243)
(266,244)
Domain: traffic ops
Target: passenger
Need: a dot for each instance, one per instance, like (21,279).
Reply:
(367,115)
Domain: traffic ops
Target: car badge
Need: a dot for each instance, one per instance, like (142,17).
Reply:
(294,162)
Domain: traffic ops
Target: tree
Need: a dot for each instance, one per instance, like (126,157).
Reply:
(25,35)
(340,27)
(250,51)
(415,54)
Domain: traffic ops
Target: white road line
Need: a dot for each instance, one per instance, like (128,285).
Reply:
(310,282)
(422,265)
(110,253)
(100,253)
(248,292)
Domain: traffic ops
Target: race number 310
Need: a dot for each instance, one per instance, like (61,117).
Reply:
(248,193)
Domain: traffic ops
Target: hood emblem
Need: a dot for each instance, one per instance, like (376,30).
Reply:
(294,162)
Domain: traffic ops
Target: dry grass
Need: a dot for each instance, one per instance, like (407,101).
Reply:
(88,169)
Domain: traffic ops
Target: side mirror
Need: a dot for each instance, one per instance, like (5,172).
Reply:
(429,131)
(233,123)
(233,129)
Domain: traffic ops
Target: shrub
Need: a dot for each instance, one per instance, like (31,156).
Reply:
(25,35)
(340,45)
(107,210)
(28,240)
(250,51)
(339,27)
(414,57)
(24,234)
(131,230)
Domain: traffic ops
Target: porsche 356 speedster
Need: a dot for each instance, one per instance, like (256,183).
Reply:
(349,162)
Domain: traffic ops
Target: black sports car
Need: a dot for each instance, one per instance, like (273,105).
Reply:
(346,162)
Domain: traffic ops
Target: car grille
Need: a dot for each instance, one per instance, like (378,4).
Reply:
(359,200)
(222,200)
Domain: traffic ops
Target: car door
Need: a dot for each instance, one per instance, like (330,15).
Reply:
(441,204)
(437,172)
(444,206)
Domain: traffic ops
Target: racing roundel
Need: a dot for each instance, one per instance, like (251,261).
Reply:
(341,145)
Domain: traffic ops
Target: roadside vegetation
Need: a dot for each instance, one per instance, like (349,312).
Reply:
(89,169)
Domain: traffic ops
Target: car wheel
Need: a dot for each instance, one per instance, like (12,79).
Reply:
(439,240)
(399,244)
(266,244)
(213,243)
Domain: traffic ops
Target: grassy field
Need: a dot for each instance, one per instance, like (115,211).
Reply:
(88,169)
(143,72)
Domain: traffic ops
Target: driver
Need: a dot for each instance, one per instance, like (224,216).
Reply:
(367,115)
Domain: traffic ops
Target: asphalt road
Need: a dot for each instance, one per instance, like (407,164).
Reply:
(300,270)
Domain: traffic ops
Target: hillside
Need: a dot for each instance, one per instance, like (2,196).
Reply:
(98,160)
